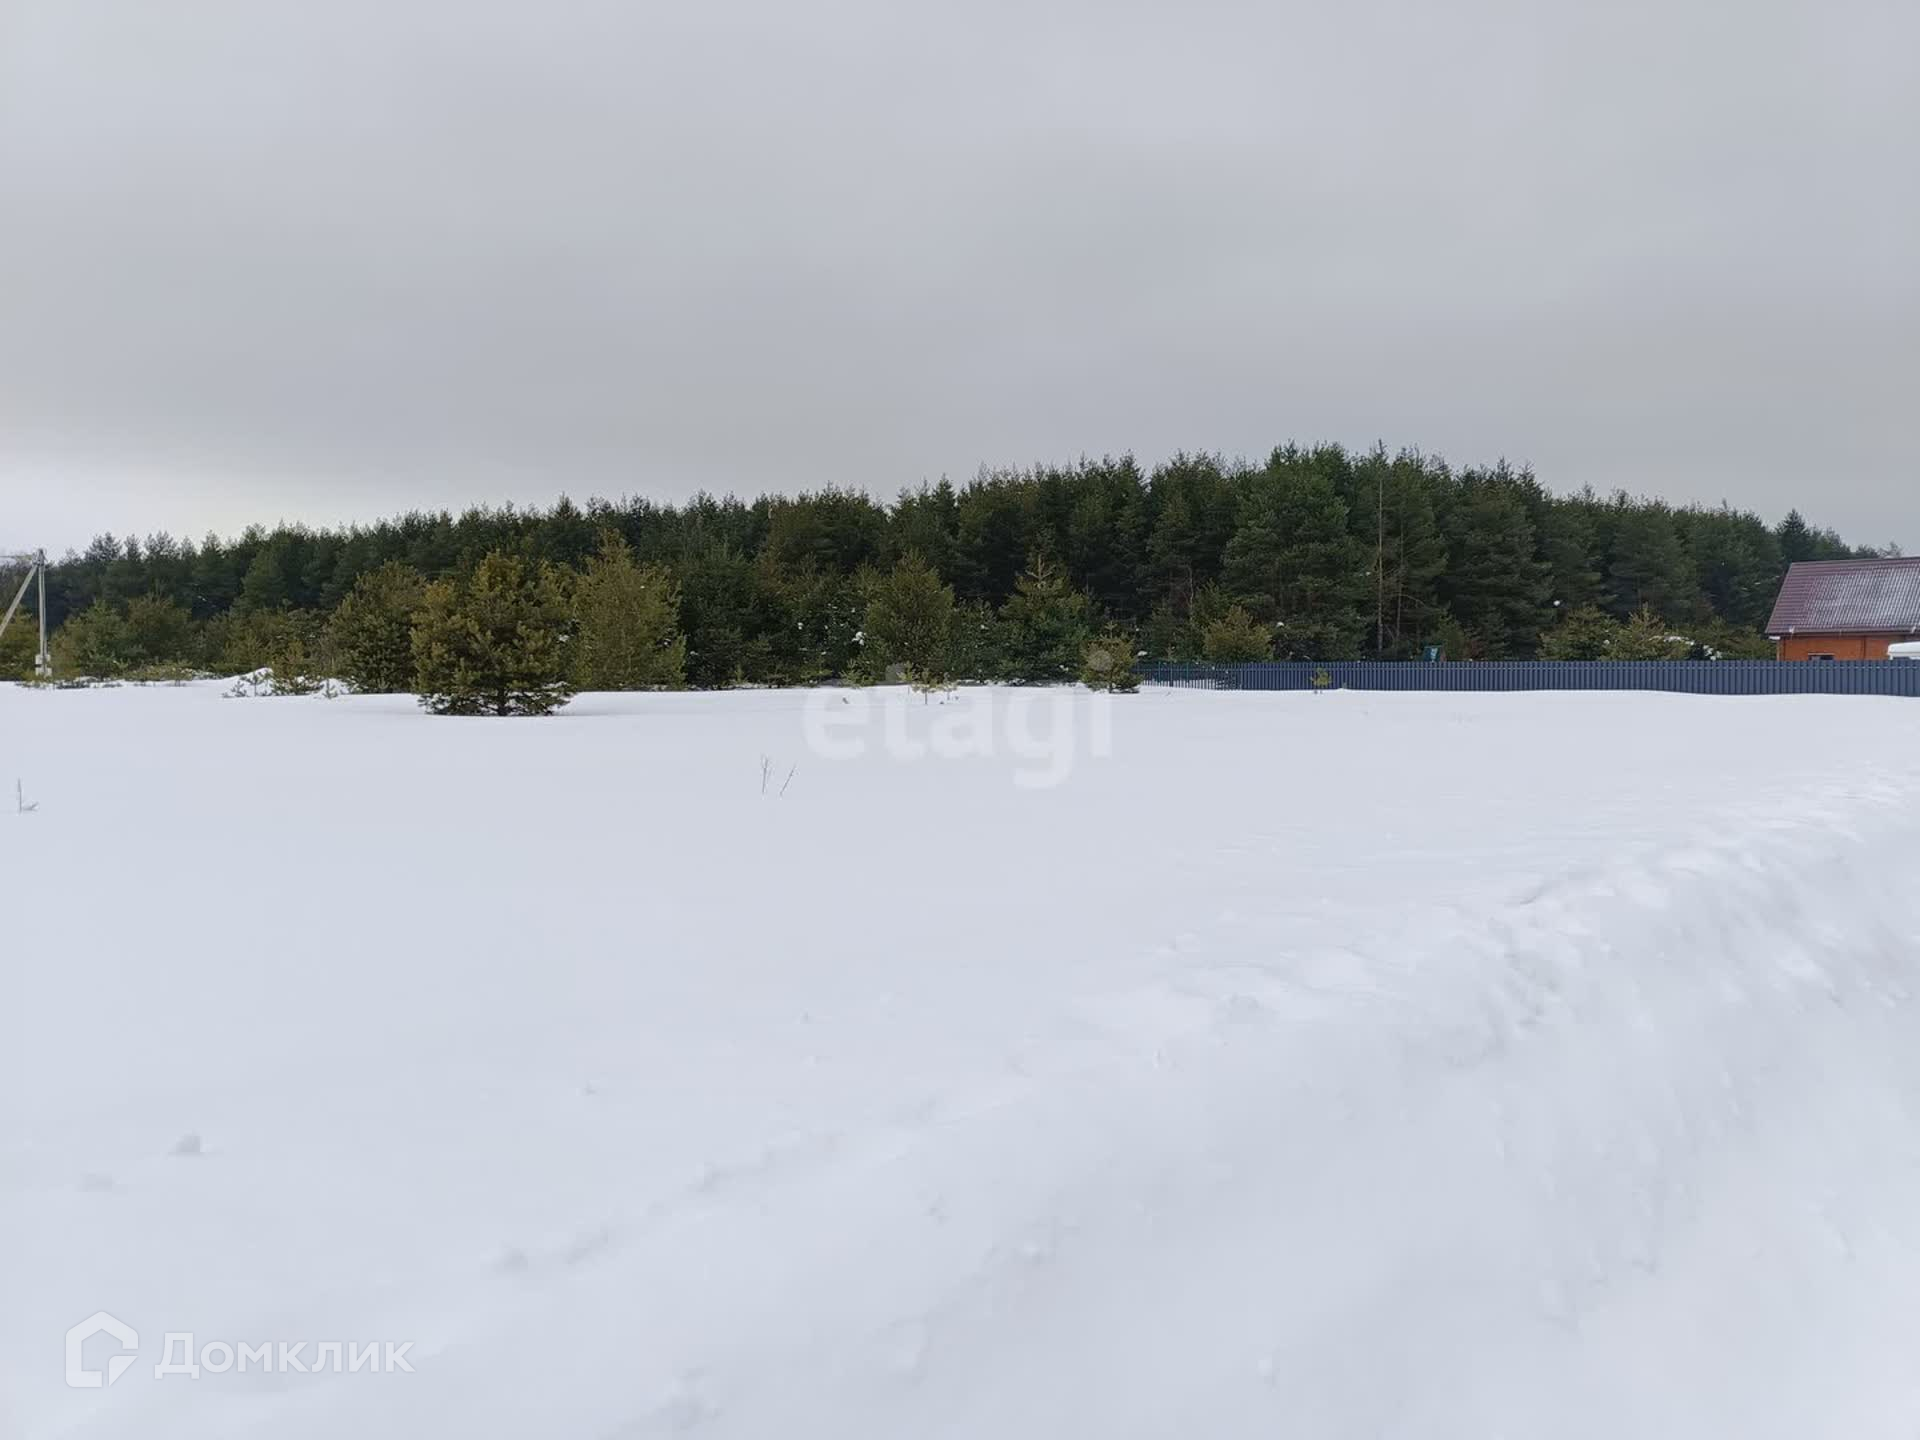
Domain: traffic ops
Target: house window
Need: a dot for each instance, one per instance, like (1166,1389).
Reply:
(1819,657)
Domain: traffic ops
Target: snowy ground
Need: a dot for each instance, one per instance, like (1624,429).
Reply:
(1344,1065)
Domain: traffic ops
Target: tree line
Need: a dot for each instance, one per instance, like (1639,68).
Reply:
(1318,553)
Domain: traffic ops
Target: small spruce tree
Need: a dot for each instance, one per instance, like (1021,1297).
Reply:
(298,656)
(1588,633)
(1646,636)
(1455,640)
(1047,624)
(95,644)
(1236,638)
(909,625)
(977,652)
(494,642)
(1108,663)
(1166,635)
(252,638)
(1210,602)
(161,632)
(1715,639)
(628,632)
(372,631)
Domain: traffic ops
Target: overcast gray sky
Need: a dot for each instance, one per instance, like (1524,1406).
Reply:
(331,259)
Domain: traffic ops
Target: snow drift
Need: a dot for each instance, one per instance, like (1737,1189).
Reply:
(1324,1065)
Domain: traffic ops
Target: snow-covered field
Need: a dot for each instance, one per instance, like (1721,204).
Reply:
(1321,1066)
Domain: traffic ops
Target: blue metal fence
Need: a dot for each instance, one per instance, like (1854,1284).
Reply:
(1686,677)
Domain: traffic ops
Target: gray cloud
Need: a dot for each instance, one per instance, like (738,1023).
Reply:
(270,259)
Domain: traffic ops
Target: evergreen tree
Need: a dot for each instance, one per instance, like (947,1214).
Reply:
(1046,626)
(277,576)
(1107,663)
(1252,562)
(1570,544)
(95,644)
(167,565)
(835,531)
(352,558)
(924,521)
(727,615)
(1650,569)
(995,532)
(1293,555)
(1193,512)
(250,639)
(299,652)
(126,575)
(213,582)
(1588,633)
(1237,638)
(1736,562)
(161,632)
(495,642)
(20,645)
(372,631)
(1103,537)
(1796,539)
(1714,639)
(909,624)
(1645,636)
(1398,498)
(628,632)
(1166,636)
(1454,640)
(978,652)
(566,535)
(818,638)
(1211,602)
(1495,586)
(1173,560)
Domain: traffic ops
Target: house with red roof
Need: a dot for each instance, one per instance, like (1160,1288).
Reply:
(1846,609)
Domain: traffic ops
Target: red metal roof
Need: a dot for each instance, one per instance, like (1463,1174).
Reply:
(1849,597)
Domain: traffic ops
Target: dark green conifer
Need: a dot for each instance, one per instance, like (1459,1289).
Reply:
(494,643)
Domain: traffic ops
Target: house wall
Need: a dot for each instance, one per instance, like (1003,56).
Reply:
(1841,647)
